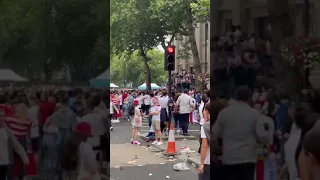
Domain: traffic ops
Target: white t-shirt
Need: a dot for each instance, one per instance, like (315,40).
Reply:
(203,135)
(111,107)
(97,127)
(147,99)
(267,120)
(87,162)
(201,113)
(120,98)
(33,116)
(163,101)
(184,102)
(140,100)
(4,154)
(156,109)
(290,151)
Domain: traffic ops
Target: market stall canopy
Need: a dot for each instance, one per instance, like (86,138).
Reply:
(9,75)
(101,81)
(144,86)
(112,85)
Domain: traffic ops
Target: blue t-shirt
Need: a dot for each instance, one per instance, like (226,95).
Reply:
(282,115)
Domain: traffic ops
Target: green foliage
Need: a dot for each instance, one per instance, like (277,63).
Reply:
(131,68)
(201,10)
(71,32)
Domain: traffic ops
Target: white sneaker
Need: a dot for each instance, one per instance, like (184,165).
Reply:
(159,143)
(155,142)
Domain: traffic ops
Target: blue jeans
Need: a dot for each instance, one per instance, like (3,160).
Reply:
(176,121)
(150,121)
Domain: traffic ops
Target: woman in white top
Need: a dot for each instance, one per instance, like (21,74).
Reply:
(204,100)
(78,146)
(135,112)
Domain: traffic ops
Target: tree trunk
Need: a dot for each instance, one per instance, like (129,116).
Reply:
(281,27)
(145,60)
(194,48)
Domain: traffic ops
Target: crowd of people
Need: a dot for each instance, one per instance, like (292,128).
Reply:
(251,132)
(147,104)
(259,133)
(183,80)
(238,58)
(42,129)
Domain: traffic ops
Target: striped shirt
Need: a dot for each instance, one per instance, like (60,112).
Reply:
(18,127)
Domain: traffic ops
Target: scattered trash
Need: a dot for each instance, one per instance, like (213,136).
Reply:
(158,154)
(150,174)
(162,163)
(181,167)
(186,150)
(117,167)
(184,139)
(171,160)
(132,162)
(140,165)
(167,177)
(193,164)
(135,156)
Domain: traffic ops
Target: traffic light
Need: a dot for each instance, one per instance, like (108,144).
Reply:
(170,58)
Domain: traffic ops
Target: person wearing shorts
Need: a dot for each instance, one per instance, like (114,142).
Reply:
(155,116)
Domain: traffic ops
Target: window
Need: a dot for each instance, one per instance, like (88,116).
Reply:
(227,24)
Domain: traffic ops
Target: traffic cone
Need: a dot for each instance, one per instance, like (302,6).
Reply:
(171,147)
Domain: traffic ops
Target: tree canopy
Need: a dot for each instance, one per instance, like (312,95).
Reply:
(143,25)
(130,69)
(46,35)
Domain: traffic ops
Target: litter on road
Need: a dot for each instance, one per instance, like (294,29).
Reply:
(181,167)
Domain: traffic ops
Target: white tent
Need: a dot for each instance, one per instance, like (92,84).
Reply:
(112,85)
(104,76)
(9,75)
(144,86)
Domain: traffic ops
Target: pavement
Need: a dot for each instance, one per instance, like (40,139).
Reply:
(145,161)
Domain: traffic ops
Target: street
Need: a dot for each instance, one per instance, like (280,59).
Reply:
(142,162)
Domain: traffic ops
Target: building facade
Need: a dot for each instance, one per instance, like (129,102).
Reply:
(202,36)
(252,15)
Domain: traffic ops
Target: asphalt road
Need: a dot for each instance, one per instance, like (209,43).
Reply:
(122,132)
(148,165)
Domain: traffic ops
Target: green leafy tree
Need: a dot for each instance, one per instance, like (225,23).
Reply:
(192,12)
(127,69)
(49,34)
(142,25)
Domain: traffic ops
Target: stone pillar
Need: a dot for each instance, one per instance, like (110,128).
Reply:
(214,18)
